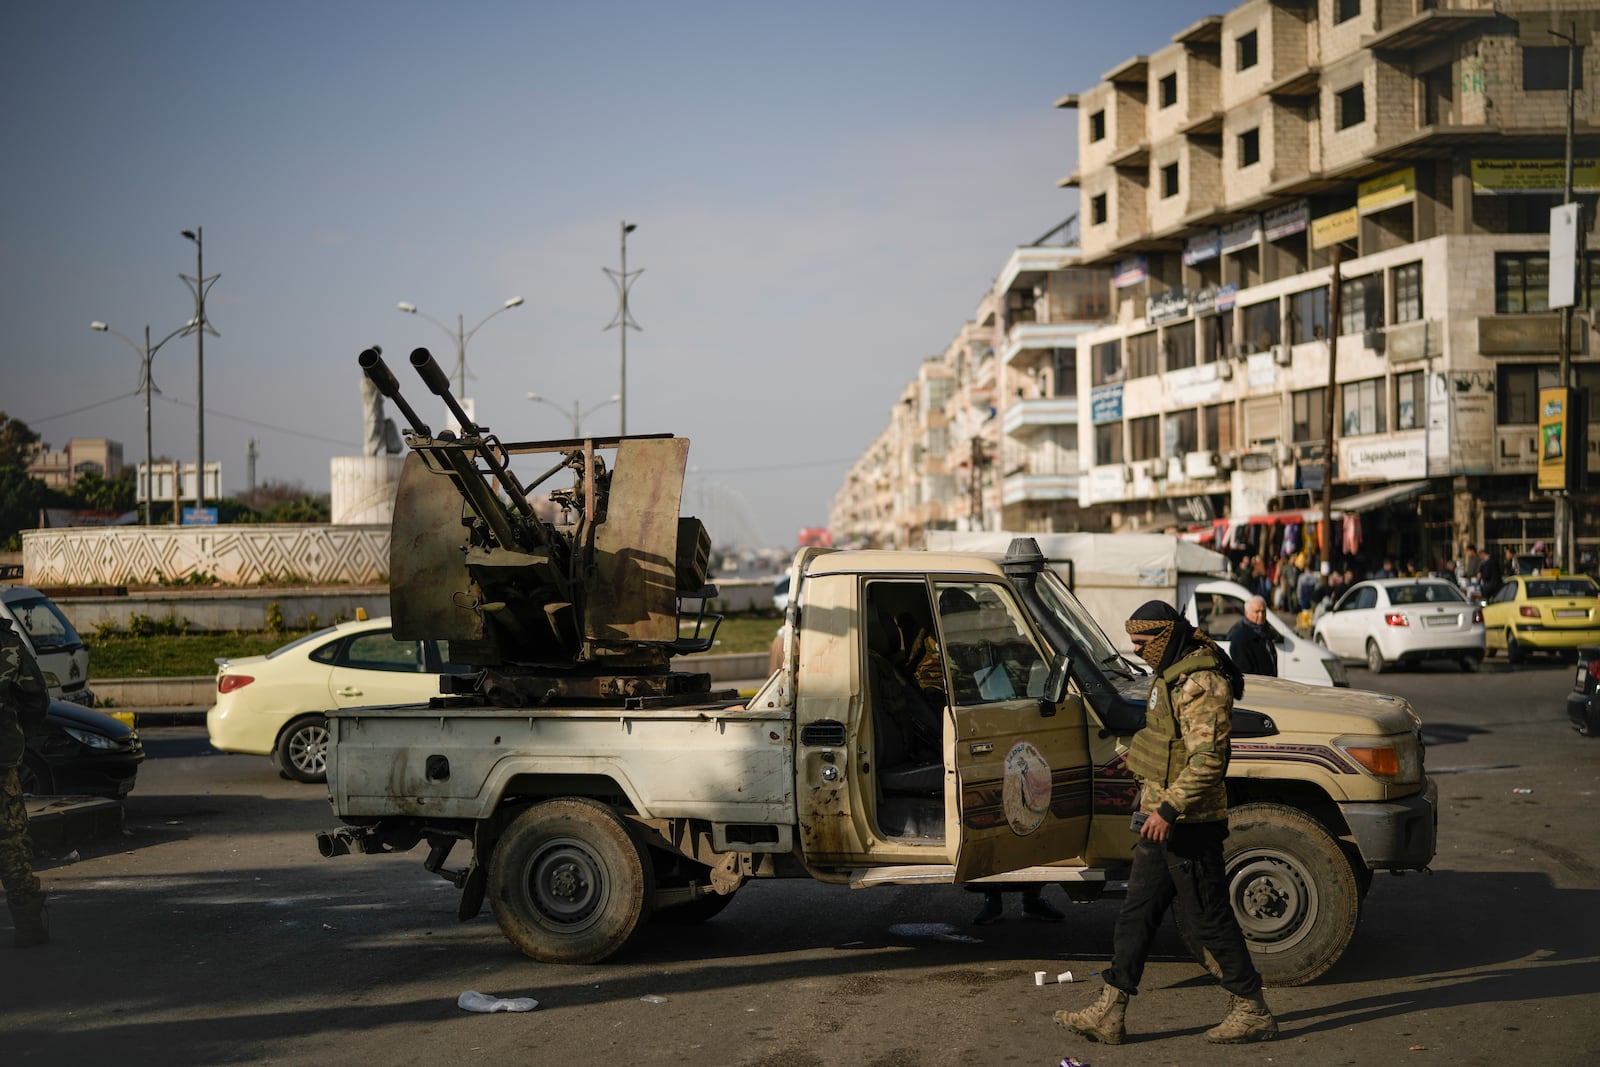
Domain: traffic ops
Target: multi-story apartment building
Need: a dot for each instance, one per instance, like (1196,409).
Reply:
(1420,145)
(986,435)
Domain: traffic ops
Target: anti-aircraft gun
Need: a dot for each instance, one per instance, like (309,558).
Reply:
(582,606)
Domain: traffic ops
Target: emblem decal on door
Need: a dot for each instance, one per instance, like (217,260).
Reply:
(1025,794)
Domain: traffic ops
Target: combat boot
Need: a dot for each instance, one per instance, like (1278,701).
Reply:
(1100,1021)
(31,922)
(1248,1019)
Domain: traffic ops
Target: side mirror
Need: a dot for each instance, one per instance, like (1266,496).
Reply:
(1055,685)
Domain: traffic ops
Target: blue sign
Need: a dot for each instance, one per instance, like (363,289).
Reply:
(1105,404)
(199,516)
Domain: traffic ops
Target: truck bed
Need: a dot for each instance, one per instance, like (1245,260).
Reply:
(447,760)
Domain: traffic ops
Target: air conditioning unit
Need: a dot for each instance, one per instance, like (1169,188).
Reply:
(1158,469)
(1377,340)
(1127,473)
(1227,461)
(1214,460)
(1280,355)
(1225,370)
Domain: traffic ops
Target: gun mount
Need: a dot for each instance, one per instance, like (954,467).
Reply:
(580,605)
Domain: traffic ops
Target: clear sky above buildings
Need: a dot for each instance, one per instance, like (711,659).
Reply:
(823,191)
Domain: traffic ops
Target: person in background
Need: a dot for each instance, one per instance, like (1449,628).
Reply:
(24,701)
(1252,644)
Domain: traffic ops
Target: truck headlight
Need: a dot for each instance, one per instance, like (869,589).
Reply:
(1389,759)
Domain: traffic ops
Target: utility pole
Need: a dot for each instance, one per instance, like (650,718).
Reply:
(1565,535)
(623,280)
(199,285)
(976,506)
(1334,312)
(250,454)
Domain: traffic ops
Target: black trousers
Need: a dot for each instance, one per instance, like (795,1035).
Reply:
(1186,871)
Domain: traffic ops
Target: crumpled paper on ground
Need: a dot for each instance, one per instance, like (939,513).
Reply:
(472,1000)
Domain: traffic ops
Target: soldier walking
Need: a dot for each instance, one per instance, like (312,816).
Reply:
(1180,758)
(24,700)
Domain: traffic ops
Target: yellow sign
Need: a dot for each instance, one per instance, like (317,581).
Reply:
(1330,230)
(1386,190)
(1498,177)
(1554,437)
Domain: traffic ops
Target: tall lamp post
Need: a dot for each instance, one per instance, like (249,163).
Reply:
(577,418)
(622,321)
(1566,535)
(460,335)
(199,285)
(146,352)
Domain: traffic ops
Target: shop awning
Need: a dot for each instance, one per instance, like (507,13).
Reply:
(1377,498)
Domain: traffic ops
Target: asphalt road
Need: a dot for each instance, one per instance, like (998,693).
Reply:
(212,932)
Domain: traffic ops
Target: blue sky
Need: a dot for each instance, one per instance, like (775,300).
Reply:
(823,191)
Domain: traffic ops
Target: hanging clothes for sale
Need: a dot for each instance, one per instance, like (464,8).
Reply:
(1352,534)
(1291,538)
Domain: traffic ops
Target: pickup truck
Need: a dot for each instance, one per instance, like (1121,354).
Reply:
(588,818)
(600,789)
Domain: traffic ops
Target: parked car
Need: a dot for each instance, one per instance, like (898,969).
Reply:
(1542,613)
(81,751)
(1217,606)
(274,705)
(1583,703)
(1388,621)
(61,653)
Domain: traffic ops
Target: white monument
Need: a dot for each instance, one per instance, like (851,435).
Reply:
(364,486)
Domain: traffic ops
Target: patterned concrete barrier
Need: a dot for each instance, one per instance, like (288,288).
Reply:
(234,554)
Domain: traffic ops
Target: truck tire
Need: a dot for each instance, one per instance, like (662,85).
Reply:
(569,883)
(302,752)
(1294,892)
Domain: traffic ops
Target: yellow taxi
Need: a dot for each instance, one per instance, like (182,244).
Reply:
(1542,613)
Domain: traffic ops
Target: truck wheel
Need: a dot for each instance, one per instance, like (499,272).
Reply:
(302,751)
(568,882)
(1294,892)
(1375,662)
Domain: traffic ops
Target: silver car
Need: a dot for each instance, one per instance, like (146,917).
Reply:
(1389,621)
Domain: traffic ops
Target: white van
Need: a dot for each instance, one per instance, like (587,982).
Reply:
(1215,606)
(60,652)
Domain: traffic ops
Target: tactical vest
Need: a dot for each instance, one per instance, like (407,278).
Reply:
(1158,753)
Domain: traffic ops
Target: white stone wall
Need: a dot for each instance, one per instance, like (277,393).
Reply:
(239,554)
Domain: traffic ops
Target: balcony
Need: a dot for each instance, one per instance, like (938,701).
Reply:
(1428,28)
(1035,335)
(1023,488)
(1024,417)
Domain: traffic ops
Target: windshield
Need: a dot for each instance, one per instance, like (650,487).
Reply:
(44,624)
(1078,623)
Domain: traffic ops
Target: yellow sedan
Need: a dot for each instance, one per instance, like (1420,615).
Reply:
(1542,613)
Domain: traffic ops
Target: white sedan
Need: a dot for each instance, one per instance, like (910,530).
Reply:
(1386,621)
(275,705)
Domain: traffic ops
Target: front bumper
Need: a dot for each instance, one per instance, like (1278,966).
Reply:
(1396,834)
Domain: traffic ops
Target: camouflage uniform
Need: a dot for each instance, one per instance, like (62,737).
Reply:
(1180,757)
(23,702)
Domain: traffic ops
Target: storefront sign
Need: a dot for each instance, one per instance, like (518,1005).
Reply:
(1287,221)
(1386,190)
(1336,228)
(1105,404)
(1389,457)
(1501,177)
(1202,247)
(1193,509)
(1242,234)
(1193,386)
(1164,307)
(1130,271)
(1106,483)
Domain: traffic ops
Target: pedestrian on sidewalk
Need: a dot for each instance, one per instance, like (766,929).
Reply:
(1252,643)
(1180,758)
(24,701)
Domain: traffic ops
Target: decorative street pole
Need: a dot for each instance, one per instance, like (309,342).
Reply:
(622,321)
(199,285)
(577,417)
(146,352)
(460,335)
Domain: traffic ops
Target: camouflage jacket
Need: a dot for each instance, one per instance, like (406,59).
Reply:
(1201,701)
(24,699)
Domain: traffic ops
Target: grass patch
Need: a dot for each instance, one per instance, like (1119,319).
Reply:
(121,655)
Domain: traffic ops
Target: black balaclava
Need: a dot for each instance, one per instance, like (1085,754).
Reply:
(1172,638)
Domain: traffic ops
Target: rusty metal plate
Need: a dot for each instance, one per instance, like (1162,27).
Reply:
(633,594)
(426,565)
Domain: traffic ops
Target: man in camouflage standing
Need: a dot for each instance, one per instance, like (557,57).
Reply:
(1180,758)
(24,700)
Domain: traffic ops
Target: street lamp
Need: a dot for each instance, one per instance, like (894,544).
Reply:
(622,321)
(460,335)
(199,285)
(577,418)
(146,352)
